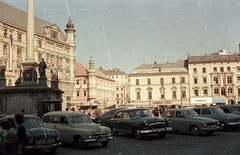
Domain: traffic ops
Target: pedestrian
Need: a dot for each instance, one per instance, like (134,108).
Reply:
(8,138)
(21,134)
(155,112)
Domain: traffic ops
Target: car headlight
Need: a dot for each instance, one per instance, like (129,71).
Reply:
(30,140)
(58,137)
(145,123)
(204,123)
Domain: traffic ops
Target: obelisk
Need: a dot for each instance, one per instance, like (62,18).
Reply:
(29,65)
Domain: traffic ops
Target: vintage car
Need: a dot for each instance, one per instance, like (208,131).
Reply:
(187,120)
(232,109)
(106,116)
(77,128)
(38,137)
(227,121)
(137,121)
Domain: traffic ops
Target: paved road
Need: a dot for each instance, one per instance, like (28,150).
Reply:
(220,143)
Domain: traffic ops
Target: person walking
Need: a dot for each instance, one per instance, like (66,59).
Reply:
(9,138)
(21,134)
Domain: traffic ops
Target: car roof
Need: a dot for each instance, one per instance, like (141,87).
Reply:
(64,113)
(181,109)
(132,109)
(204,107)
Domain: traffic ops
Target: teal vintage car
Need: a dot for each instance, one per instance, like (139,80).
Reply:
(232,109)
(137,121)
(187,120)
(77,128)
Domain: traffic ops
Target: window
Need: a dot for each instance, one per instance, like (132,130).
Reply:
(84,93)
(216,92)
(9,82)
(204,80)
(137,81)
(238,78)
(238,91)
(5,33)
(5,51)
(230,90)
(84,81)
(148,81)
(205,92)
(215,69)
(206,111)
(229,79)
(229,69)
(117,95)
(184,94)
(195,80)
(196,92)
(19,52)
(149,95)
(138,96)
(40,43)
(77,82)
(215,79)
(223,91)
(54,34)
(19,37)
(194,70)
(173,80)
(221,69)
(182,80)
(77,93)
(161,81)
(174,94)
(204,70)
(39,57)
(68,98)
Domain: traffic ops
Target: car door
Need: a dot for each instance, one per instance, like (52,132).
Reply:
(179,121)
(124,124)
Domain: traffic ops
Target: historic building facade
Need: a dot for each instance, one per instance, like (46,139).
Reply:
(214,79)
(50,44)
(160,84)
(93,89)
(122,84)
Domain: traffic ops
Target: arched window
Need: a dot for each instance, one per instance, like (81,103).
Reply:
(230,90)
(229,79)
(216,91)
(223,91)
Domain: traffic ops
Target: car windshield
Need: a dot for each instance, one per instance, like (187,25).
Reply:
(218,111)
(33,122)
(79,119)
(139,113)
(190,113)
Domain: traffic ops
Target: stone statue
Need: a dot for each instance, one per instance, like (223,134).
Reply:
(41,68)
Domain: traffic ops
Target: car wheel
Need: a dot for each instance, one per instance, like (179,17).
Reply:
(209,132)
(53,150)
(114,132)
(137,134)
(105,143)
(223,126)
(81,144)
(195,131)
(162,134)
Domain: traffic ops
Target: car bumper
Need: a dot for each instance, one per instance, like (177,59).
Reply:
(48,146)
(99,139)
(210,129)
(154,130)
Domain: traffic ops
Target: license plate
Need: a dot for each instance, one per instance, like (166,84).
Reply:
(102,139)
(168,128)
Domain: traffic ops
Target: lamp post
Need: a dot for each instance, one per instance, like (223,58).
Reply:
(181,89)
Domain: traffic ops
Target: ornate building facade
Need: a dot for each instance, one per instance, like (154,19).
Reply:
(160,84)
(50,44)
(121,83)
(93,89)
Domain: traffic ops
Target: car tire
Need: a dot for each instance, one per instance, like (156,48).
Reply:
(195,130)
(53,150)
(137,134)
(162,134)
(105,143)
(81,144)
(223,126)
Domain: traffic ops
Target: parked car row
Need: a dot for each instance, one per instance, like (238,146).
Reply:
(77,128)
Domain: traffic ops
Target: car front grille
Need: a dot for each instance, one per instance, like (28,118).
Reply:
(156,125)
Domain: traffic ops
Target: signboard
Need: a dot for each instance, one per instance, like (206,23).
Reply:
(218,100)
(202,100)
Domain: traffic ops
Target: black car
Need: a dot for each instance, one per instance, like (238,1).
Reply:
(138,122)
(232,109)
(38,137)
(227,121)
(106,116)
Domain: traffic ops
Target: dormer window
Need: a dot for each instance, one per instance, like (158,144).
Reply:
(54,34)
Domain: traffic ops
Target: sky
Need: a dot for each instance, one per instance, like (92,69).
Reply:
(125,34)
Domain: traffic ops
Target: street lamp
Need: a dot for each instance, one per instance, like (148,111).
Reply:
(149,96)
(181,89)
